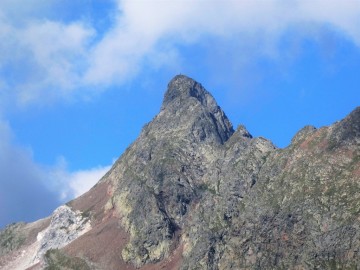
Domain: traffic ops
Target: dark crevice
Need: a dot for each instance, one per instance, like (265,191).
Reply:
(171,225)
(222,140)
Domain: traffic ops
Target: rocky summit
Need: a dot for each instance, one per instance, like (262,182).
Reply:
(193,193)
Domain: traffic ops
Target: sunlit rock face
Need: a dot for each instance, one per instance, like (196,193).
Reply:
(63,227)
(193,193)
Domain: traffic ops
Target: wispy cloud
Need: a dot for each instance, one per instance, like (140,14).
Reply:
(71,184)
(23,192)
(142,25)
(42,59)
(30,191)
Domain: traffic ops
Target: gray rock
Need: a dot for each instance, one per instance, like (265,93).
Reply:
(65,226)
(227,200)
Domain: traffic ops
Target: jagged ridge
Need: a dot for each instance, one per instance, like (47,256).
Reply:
(191,193)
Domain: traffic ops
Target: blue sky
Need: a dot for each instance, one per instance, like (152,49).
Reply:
(79,79)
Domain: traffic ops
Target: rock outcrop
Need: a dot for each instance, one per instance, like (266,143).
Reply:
(192,193)
(64,226)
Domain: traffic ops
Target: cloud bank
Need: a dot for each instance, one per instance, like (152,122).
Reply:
(29,191)
(72,184)
(23,193)
(43,59)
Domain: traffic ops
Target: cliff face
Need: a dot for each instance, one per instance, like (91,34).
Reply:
(192,193)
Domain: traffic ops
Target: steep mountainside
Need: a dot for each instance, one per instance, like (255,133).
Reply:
(192,193)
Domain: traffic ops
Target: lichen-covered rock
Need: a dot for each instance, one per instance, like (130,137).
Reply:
(234,201)
(160,176)
(11,238)
(24,245)
(56,259)
(192,193)
(65,226)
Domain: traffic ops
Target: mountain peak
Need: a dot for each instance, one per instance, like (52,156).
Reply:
(182,88)
(188,106)
(189,188)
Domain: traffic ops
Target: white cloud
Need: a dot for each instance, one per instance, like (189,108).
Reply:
(42,60)
(22,183)
(142,25)
(28,190)
(343,15)
(82,181)
(72,184)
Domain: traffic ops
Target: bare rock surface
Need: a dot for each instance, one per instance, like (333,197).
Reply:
(193,193)
(65,226)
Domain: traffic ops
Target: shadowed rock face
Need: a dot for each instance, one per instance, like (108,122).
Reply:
(163,174)
(191,111)
(192,193)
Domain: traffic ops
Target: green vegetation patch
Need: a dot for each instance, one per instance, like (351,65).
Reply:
(11,238)
(205,187)
(58,260)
